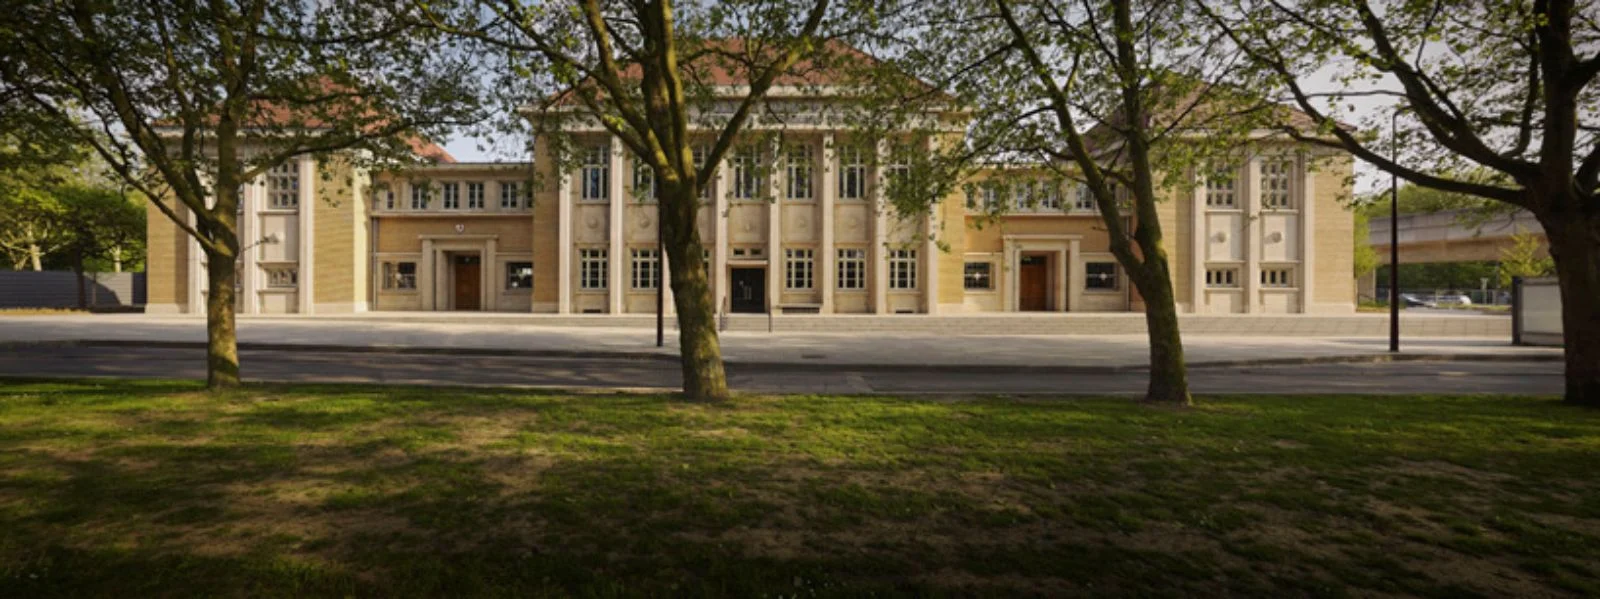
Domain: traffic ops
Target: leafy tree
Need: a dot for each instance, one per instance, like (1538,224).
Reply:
(1524,258)
(29,227)
(185,101)
(1115,95)
(656,77)
(1503,86)
(1366,260)
(97,223)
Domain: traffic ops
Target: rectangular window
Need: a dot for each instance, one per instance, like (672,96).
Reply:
(1275,192)
(511,195)
(1100,276)
(1222,277)
(852,268)
(283,186)
(475,195)
(283,277)
(519,276)
(1220,191)
(596,172)
(897,174)
(1049,196)
(382,198)
(1023,198)
(646,268)
(978,275)
(749,253)
(399,275)
(1280,277)
(451,193)
(699,154)
(1084,199)
(852,173)
(797,163)
(593,268)
(798,268)
(748,180)
(644,182)
(902,269)
(419,196)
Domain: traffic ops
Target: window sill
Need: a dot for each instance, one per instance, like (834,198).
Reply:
(1089,291)
(278,290)
(278,211)
(1278,289)
(1227,289)
(988,291)
(399,291)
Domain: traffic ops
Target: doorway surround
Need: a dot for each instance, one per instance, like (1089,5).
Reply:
(1066,260)
(434,274)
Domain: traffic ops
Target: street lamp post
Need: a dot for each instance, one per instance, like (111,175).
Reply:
(1394,236)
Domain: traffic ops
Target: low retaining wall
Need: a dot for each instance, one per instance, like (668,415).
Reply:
(57,289)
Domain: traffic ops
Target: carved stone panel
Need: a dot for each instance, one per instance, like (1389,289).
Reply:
(640,223)
(852,223)
(801,224)
(747,223)
(591,224)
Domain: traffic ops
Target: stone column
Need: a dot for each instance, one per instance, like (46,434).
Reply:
(615,194)
(1075,276)
(1252,234)
(719,255)
(564,243)
(1308,229)
(490,276)
(1199,236)
(308,235)
(930,253)
(775,260)
(425,276)
(826,254)
(878,258)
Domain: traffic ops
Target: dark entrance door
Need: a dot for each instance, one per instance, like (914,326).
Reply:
(469,284)
(749,290)
(1033,284)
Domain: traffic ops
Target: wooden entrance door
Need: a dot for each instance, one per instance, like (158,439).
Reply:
(1033,284)
(469,284)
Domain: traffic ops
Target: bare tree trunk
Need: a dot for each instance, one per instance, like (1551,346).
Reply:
(222,349)
(33,257)
(1575,246)
(116,259)
(1169,374)
(704,378)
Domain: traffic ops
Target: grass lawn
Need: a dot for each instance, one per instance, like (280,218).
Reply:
(153,488)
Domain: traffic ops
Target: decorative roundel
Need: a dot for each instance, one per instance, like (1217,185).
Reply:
(748,226)
(644,222)
(802,222)
(460,228)
(852,223)
(593,222)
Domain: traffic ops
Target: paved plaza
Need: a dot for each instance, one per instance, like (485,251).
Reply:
(908,346)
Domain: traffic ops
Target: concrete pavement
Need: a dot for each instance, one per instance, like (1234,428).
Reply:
(1542,378)
(822,350)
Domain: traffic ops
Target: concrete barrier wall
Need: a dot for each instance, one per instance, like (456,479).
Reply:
(57,289)
(1538,312)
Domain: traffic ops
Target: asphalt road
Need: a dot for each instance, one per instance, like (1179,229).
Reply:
(470,370)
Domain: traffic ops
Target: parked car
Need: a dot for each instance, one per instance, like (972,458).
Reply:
(1453,299)
(1412,301)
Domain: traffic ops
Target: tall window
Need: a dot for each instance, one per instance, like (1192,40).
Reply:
(978,275)
(1222,277)
(797,165)
(1275,192)
(902,269)
(644,181)
(897,174)
(1280,277)
(798,268)
(1050,196)
(748,179)
(419,196)
(592,268)
(699,154)
(283,186)
(596,172)
(451,192)
(1220,191)
(511,195)
(475,195)
(1025,201)
(852,268)
(519,276)
(852,172)
(1084,199)
(1100,276)
(646,268)
(388,198)
(400,275)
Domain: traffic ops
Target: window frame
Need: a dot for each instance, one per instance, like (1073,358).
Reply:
(283,181)
(450,195)
(987,275)
(852,173)
(396,279)
(644,269)
(1089,278)
(475,194)
(421,195)
(799,269)
(799,171)
(748,178)
(1220,186)
(1223,277)
(594,261)
(1277,184)
(850,269)
(595,174)
(1287,272)
(273,272)
(512,191)
(511,266)
(902,263)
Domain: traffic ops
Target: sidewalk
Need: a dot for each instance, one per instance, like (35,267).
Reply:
(866,349)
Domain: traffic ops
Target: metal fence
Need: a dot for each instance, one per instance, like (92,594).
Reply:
(1535,311)
(57,289)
